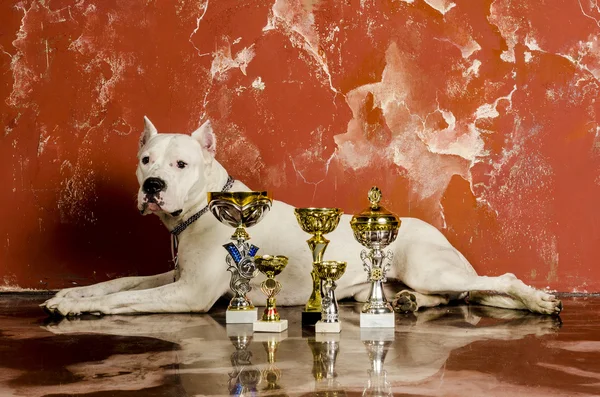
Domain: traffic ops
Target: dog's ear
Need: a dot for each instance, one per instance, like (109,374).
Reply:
(149,132)
(205,135)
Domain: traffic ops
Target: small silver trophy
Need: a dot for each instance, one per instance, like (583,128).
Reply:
(376,228)
(240,210)
(329,272)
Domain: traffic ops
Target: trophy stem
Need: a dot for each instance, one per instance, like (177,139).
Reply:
(314,302)
(240,235)
(270,313)
(317,244)
(240,261)
(330,309)
(377,302)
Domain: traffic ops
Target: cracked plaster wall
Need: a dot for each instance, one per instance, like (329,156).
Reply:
(478,117)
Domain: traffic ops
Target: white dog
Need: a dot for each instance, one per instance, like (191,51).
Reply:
(175,172)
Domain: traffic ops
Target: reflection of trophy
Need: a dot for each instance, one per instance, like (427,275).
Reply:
(375,228)
(271,374)
(244,377)
(240,210)
(270,266)
(325,349)
(377,342)
(329,272)
(316,221)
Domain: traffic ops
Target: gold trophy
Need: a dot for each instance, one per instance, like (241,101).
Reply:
(270,266)
(376,228)
(329,272)
(316,221)
(240,210)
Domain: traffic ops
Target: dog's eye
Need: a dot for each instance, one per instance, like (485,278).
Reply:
(145,160)
(181,164)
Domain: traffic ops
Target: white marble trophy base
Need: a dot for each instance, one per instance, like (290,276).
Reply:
(386,320)
(328,328)
(241,316)
(270,326)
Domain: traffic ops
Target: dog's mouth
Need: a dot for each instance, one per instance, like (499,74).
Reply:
(151,205)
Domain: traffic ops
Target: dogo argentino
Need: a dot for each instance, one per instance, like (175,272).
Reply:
(175,171)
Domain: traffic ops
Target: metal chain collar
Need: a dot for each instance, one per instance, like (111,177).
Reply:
(177,230)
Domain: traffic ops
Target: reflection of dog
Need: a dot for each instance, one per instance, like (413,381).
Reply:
(202,365)
(175,172)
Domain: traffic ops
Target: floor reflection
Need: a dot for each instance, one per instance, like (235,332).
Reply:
(441,351)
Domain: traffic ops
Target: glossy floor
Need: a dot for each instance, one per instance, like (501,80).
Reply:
(450,351)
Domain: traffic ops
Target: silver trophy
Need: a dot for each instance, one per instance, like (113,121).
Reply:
(240,210)
(376,228)
(329,272)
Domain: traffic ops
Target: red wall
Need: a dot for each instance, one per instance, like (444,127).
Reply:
(477,116)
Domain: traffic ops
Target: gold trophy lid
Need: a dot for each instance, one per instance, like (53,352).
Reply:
(376,217)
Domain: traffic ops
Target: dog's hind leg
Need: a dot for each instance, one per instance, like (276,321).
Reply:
(113,286)
(441,275)
(411,301)
(495,300)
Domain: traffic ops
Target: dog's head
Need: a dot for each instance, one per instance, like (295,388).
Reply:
(173,168)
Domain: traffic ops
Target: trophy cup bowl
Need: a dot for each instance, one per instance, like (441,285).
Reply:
(240,210)
(375,235)
(330,270)
(316,221)
(271,266)
(375,228)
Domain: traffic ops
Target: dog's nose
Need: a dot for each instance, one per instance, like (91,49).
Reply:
(153,185)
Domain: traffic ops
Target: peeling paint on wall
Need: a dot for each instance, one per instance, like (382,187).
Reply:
(480,118)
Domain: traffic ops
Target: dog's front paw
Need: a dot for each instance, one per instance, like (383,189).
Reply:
(59,306)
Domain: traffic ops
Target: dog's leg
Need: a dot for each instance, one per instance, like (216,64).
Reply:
(177,297)
(495,300)
(411,301)
(117,285)
(440,271)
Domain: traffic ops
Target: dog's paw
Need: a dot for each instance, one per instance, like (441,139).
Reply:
(405,302)
(59,306)
(543,303)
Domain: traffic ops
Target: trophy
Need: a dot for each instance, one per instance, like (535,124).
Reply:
(240,210)
(270,266)
(376,228)
(329,272)
(377,343)
(316,221)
